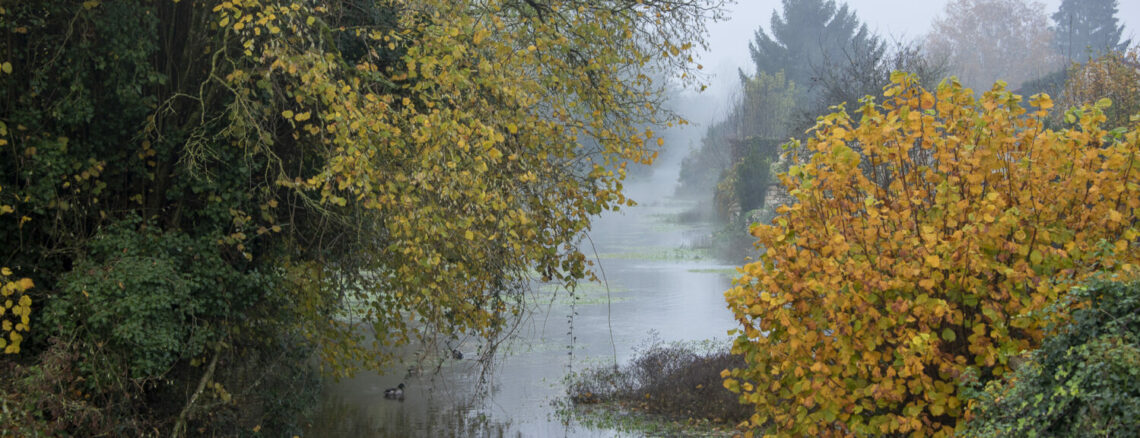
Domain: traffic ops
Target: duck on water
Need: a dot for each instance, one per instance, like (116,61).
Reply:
(396,393)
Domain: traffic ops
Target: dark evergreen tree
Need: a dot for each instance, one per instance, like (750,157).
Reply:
(1087,28)
(810,35)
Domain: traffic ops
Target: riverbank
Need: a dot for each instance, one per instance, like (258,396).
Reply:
(675,388)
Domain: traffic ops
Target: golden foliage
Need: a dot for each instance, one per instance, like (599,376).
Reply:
(479,154)
(15,310)
(927,233)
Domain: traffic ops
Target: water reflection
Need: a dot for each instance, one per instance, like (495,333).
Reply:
(657,281)
(440,417)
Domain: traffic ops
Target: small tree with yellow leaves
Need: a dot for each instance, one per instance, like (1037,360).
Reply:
(927,233)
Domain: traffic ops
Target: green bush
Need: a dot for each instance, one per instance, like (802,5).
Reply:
(753,174)
(1083,381)
(146,298)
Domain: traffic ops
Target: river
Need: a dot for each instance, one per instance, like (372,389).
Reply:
(661,285)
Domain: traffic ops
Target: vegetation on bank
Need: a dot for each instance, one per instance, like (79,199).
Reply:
(921,234)
(816,54)
(674,386)
(928,233)
(191,191)
(1084,380)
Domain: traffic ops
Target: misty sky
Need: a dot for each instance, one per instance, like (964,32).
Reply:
(901,19)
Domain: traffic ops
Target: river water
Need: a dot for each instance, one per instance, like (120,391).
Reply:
(661,285)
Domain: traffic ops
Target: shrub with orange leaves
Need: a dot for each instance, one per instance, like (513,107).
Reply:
(926,234)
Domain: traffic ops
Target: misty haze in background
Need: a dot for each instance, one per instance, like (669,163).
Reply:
(893,20)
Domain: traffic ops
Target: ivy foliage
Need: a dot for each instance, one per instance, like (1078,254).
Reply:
(1083,381)
(928,232)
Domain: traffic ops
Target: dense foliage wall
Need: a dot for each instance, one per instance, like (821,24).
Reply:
(181,180)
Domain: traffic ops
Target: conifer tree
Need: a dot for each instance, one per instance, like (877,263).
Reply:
(808,35)
(1087,28)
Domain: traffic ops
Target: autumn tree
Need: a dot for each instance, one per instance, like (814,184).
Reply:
(181,181)
(1114,76)
(990,40)
(928,232)
(1086,29)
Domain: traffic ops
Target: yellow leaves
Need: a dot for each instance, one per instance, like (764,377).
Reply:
(478,36)
(20,309)
(495,154)
(941,257)
(927,100)
(6,67)
(1041,100)
(1115,216)
(482,107)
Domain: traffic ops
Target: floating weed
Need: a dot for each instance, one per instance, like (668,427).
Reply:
(660,254)
(728,272)
(586,293)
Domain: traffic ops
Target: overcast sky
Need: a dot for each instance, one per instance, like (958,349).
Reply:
(902,19)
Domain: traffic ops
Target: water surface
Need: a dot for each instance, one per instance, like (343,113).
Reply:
(657,285)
